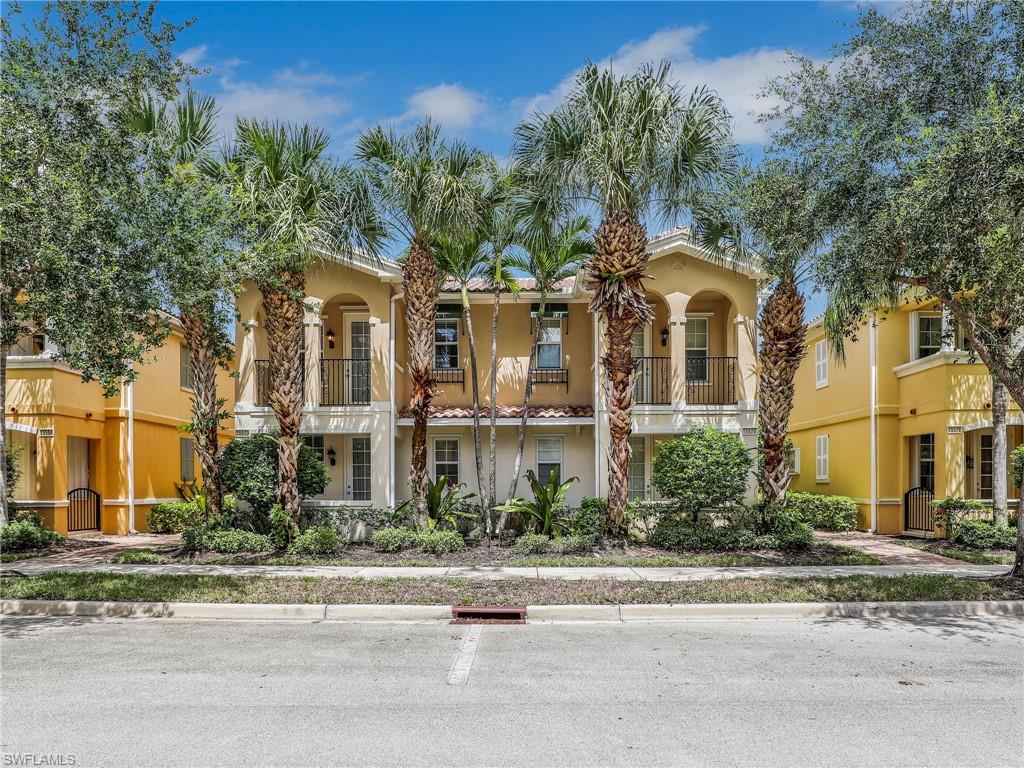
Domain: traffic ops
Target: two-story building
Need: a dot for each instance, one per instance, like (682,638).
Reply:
(696,365)
(906,420)
(89,462)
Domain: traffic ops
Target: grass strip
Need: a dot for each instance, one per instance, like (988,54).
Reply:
(236,589)
(957,553)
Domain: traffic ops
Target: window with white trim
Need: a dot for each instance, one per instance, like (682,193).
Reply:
(929,333)
(821,364)
(186,457)
(924,470)
(316,442)
(549,343)
(697,348)
(793,457)
(446,342)
(446,459)
(186,378)
(549,457)
(821,458)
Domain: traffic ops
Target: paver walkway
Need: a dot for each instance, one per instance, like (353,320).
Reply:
(959,569)
(106,548)
(885,548)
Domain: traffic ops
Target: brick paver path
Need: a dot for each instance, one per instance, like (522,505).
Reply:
(106,548)
(885,548)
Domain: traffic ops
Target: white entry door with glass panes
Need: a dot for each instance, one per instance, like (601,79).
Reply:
(637,474)
(357,350)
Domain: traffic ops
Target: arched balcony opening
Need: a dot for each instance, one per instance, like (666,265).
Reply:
(710,350)
(652,356)
(345,351)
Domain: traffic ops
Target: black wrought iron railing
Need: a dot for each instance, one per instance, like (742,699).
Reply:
(653,382)
(344,381)
(261,369)
(710,380)
(83,510)
(450,376)
(918,514)
(551,376)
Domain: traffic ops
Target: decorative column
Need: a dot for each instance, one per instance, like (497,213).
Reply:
(312,325)
(247,363)
(677,352)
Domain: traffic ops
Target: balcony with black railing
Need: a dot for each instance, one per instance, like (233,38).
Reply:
(450,376)
(710,380)
(653,382)
(344,381)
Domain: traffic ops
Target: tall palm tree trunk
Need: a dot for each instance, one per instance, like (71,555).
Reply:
(616,273)
(285,342)
(492,478)
(475,386)
(205,410)
(527,395)
(783,332)
(999,510)
(420,278)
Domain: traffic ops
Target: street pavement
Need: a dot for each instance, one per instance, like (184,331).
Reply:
(833,692)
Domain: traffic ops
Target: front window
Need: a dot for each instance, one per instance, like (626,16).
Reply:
(549,344)
(929,334)
(821,364)
(821,458)
(316,442)
(446,343)
(697,349)
(637,474)
(185,366)
(446,459)
(549,458)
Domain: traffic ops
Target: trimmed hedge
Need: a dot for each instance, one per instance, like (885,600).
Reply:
(318,541)
(224,540)
(538,544)
(173,517)
(981,534)
(23,535)
(827,513)
(435,542)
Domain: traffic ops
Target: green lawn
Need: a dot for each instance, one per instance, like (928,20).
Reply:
(979,557)
(234,589)
(13,557)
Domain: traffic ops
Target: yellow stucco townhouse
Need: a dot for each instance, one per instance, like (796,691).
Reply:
(905,421)
(89,462)
(696,365)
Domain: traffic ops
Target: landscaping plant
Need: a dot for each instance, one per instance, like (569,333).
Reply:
(547,500)
(826,513)
(24,535)
(318,541)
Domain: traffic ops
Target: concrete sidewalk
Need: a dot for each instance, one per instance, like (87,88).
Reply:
(959,569)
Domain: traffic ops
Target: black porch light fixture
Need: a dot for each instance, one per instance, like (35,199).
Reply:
(664,336)
(332,456)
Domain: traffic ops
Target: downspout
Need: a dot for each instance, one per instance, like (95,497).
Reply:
(391,406)
(597,405)
(130,397)
(873,354)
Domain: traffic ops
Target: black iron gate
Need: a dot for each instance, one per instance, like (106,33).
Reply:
(917,510)
(83,510)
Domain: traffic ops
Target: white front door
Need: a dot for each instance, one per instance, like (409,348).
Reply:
(357,351)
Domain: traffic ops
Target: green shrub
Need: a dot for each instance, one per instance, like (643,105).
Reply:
(572,545)
(201,538)
(952,512)
(438,542)
(675,533)
(588,519)
(981,534)
(703,468)
(318,541)
(790,531)
(548,499)
(394,539)
(827,513)
(249,469)
(1017,462)
(531,544)
(28,516)
(341,517)
(22,535)
(194,539)
(173,517)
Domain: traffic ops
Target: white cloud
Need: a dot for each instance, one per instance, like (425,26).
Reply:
(452,106)
(194,55)
(737,78)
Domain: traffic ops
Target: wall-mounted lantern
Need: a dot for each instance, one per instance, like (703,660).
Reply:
(332,456)
(330,338)
(664,336)
(969,461)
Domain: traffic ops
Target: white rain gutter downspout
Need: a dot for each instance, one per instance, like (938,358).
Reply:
(130,398)
(873,355)
(391,408)
(597,405)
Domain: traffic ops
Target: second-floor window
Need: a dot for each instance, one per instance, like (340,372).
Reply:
(446,343)
(821,364)
(549,344)
(929,334)
(185,366)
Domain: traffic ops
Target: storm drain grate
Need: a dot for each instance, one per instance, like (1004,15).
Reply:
(488,614)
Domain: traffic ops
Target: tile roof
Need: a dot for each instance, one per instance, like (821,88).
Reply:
(479,285)
(506,412)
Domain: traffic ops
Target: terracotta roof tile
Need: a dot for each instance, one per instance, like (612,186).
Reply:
(479,285)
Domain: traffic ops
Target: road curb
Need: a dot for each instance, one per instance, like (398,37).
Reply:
(616,614)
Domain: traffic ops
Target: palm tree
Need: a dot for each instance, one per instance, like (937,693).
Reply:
(552,254)
(295,204)
(462,260)
(629,146)
(425,188)
(193,231)
(779,212)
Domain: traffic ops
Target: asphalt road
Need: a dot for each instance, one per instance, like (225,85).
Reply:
(791,692)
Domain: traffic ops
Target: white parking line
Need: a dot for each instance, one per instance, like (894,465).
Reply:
(463,663)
